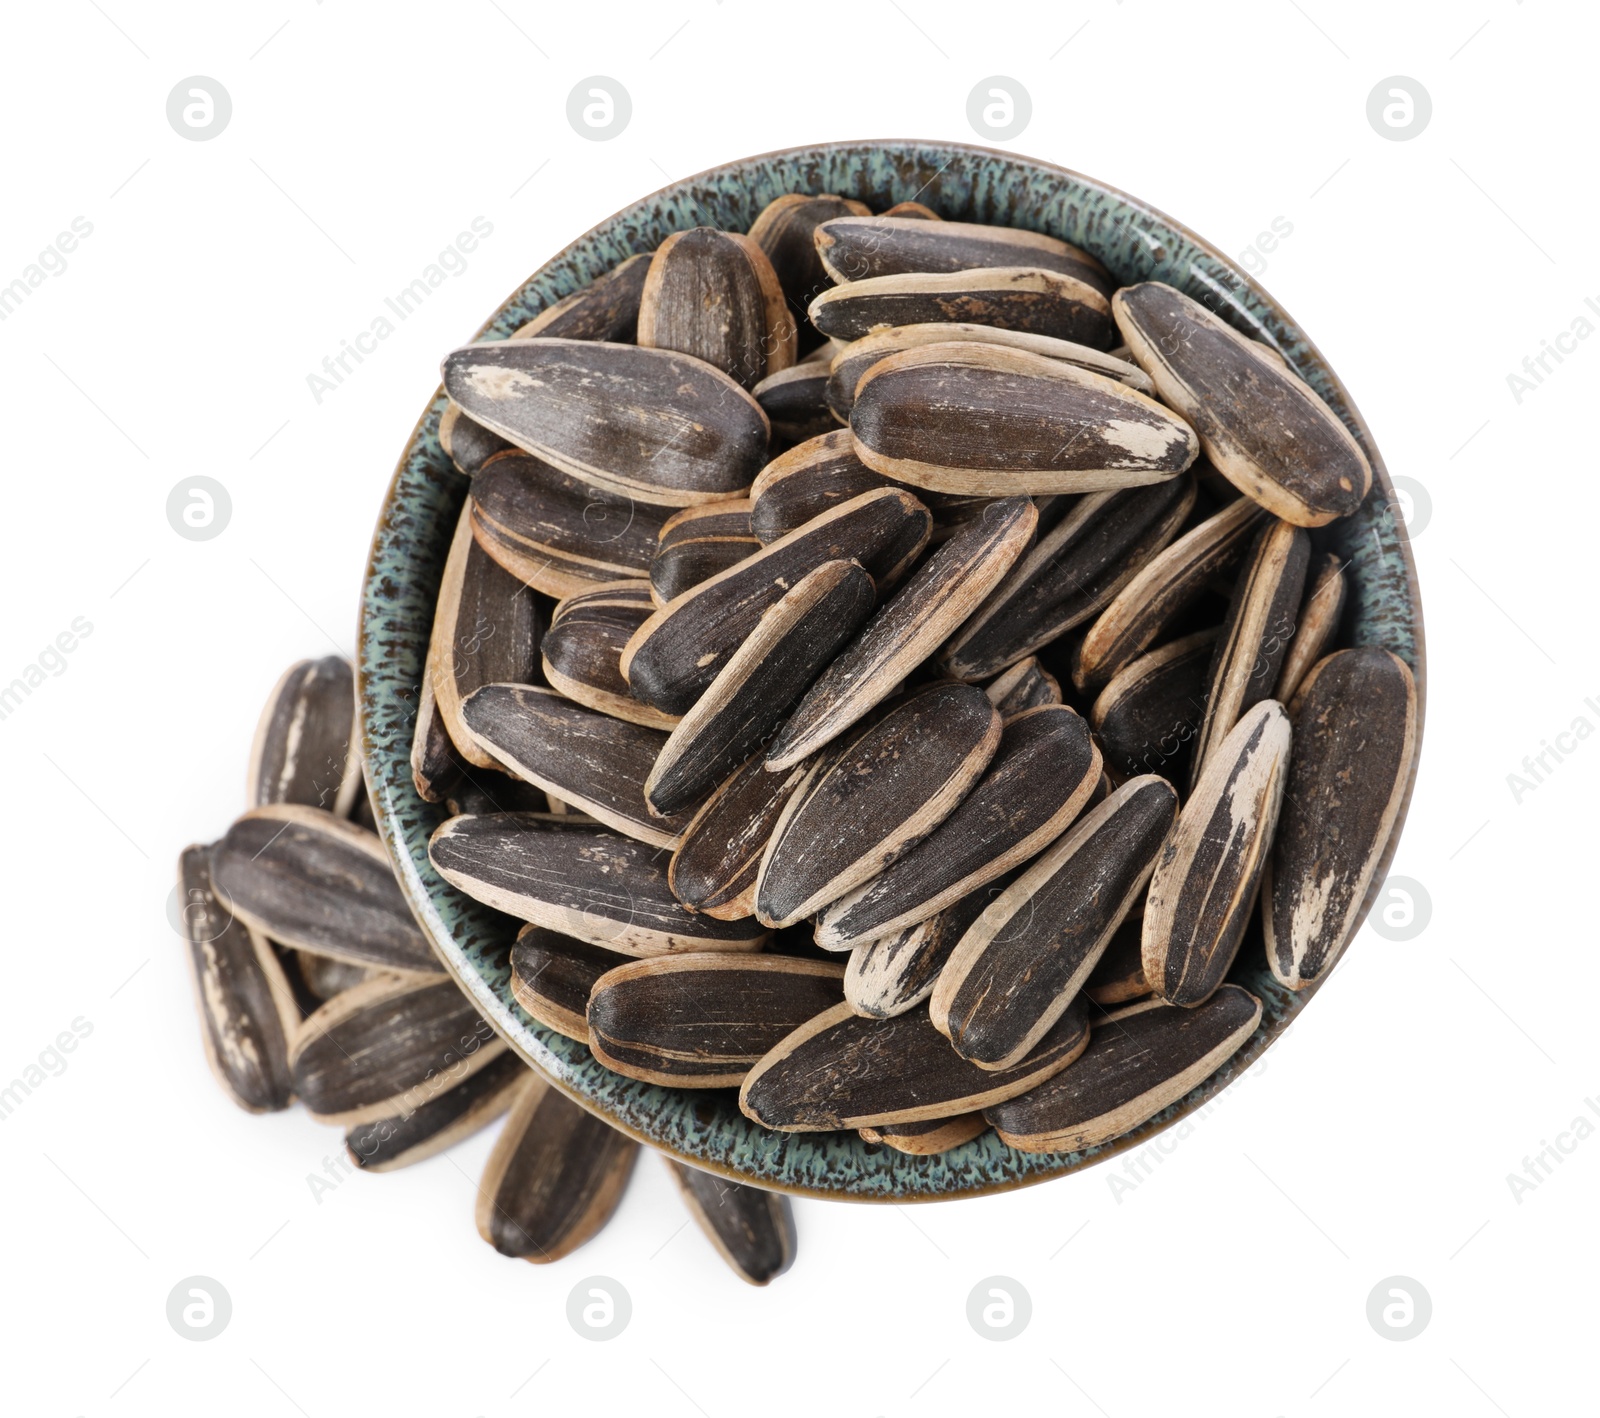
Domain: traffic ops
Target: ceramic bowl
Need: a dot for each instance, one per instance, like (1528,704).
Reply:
(1137,243)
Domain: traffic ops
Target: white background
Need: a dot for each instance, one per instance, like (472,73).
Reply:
(1375,1140)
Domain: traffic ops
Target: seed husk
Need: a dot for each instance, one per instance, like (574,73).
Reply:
(1026,685)
(1071,572)
(699,542)
(795,402)
(387,1144)
(1040,779)
(558,533)
(1026,298)
(574,877)
(913,209)
(808,480)
(1355,726)
(1150,714)
(552,976)
(555,1176)
(1119,975)
(785,230)
(605,309)
(715,868)
(1255,636)
(435,764)
(467,444)
(1204,885)
(1024,960)
(310,880)
(486,630)
(484,790)
(246,1008)
(870,803)
(939,596)
(1140,1060)
(653,425)
(842,1071)
(983,420)
(591,761)
(753,1230)
(676,653)
(301,752)
(386,1047)
(582,650)
(1317,625)
(704,1021)
(930,1138)
(769,671)
(714,295)
(1262,427)
(1165,588)
(324,977)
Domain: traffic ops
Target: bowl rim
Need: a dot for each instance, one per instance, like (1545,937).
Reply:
(419,899)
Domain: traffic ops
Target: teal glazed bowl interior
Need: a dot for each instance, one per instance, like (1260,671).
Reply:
(1137,243)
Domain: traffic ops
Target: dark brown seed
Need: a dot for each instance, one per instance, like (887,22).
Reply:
(650,424)
(1119,975)
(486,630)
(1026,685)
(914,210)
(1166,587)
(930,1138)
(1255,635)
(1204,885)
(769,671)
(1024,298)
(387,1144)
(842,1071)
(552,976)
(939,596)
(435,764)
(325,977)
(1317,626)
(1044,772)
(555,1176)
(1024,960)
(795,402)
(983,420)
(1150,714)
(605,309)
(558,533)
(574,877)
(1355,736)
(388,1046)
(715,867)
(870,803)
(753,1230)
(247,1010)
(484,790)
(1140,1059)
(673,657)
(699,542)
(1074,570)
(582,650)
(808,480)
(1262,427)
(785,231)
(703,1021)
(467,444)
(310,880)
(301,752)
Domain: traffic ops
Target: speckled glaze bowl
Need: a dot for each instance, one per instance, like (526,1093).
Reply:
(1137,243)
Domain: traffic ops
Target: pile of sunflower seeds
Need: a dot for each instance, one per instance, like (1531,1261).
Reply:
(313,982)
(925,651)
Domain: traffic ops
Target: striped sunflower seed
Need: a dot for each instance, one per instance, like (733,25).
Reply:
(1119,975)
(795,401)
(483,790)
(324,977)
(387,1144)
(606,309)
(1262,427)
(582,650)
(552,976)
(1317,626)
(467,444)
(699,542)
(1150,714)
(1026,685)
(435,764)
(753,1230)
(1355,735)
(811,478)
(927,1139)
(785,229)
(301,752)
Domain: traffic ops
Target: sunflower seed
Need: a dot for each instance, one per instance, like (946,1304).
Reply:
(842,1071)
(930,1138)
(582,650)
(914,210)
(650,424)
(1355,727)
(1163,590)
(552,976)
(387,1047)
(558,533)
(325,977)
(605,309)
(467,444)
(247,1010)
(753,1230)
(869,804)
(387,1144)
(988,421)
(576,878)
(808,480)
(486,630)
(673,657)
(1262,427)
(309,880)
(483,790)
(785,229)
(435,764)
(1024,960)
(1042,775)
(301,752)
(714,295)
(1255,636)
(1318,623)
(769,671)
(704,1021)
(1204,885)
(699,542)
(1072,571)
(937,598)
(1027,298)
(1119,975)
(1140,1060)
(795,402)
(1148,716)
(1026,685)
(555,1176)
